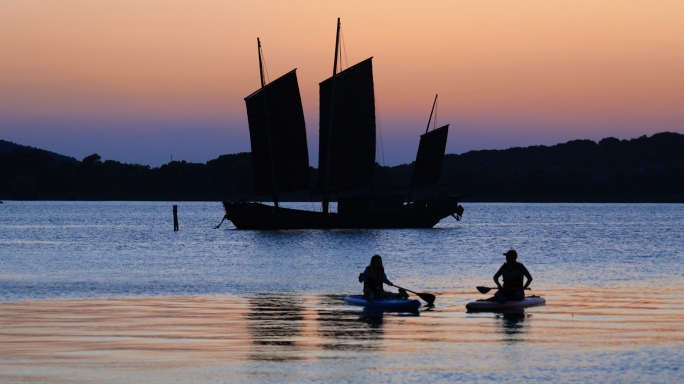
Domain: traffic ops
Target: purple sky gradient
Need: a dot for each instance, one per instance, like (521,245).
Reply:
(153,141)
(141,81)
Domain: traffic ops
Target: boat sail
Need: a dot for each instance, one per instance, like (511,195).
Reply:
(277,131)
(346,158)
(352,149)
(430,156)
(347,128)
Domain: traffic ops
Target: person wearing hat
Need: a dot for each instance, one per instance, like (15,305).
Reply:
(512,273)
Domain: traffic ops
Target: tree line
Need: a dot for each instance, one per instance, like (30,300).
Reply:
(612,170)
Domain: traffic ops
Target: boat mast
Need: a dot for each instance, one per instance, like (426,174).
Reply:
(431,112)
(268,128)
(326,194)
(410,196)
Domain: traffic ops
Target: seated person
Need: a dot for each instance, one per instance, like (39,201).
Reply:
(373,277)
(512,273)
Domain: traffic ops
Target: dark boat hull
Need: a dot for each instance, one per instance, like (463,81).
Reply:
(424,214)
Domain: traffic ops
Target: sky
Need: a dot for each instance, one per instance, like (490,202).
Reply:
(143,81)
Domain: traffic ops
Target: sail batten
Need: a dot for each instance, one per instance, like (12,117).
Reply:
(276,111)
(352,149)
(430,157)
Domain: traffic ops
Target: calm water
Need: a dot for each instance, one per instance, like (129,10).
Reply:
(106,291)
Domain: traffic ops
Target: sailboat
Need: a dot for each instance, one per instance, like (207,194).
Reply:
(346,158)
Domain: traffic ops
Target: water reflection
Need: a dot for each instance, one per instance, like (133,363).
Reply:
(512,322)
(278,337)
(342,328)
(275,322)
(288,326)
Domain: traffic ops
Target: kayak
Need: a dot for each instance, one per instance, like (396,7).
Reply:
(486,305)
(388,304)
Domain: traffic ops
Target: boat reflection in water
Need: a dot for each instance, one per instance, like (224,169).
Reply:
(295,337)
(275,324)
(348,328)
(287,326)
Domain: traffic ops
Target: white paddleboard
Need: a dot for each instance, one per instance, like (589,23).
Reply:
(486,305)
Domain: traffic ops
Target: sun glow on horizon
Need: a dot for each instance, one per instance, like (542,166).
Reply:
(531,63)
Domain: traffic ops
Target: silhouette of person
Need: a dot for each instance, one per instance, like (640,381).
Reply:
(373,277)
(513,274)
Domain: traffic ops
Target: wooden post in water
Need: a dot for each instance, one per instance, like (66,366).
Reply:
(175,217)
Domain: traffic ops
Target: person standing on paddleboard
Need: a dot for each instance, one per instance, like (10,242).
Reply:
(512,273)
(373,277)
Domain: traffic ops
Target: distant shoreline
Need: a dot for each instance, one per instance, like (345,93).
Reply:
(674,200)
(640,170)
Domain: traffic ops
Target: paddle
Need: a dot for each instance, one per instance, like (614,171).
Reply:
(428,297)
(487,289)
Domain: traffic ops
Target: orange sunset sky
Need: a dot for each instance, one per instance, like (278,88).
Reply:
(140,81)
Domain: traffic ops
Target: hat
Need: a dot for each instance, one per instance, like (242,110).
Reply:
(511,252)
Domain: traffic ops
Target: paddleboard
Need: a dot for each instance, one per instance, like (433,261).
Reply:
(389,304)
(486,305)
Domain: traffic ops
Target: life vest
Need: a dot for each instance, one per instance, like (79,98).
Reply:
(513,275)
(373,280)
